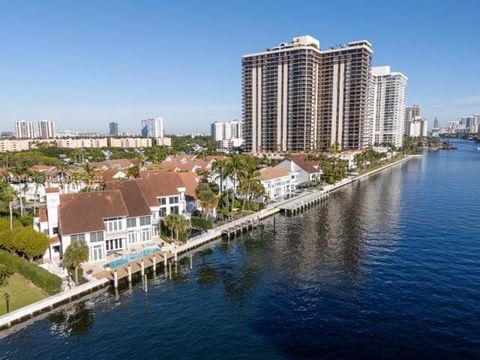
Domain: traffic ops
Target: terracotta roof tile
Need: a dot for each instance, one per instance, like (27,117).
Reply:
(155,184)
(309,166)
(85,212)
(132,195)
(269,173)
(42,213)
(191,181)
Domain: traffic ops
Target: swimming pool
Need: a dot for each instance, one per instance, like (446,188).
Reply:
(125,259)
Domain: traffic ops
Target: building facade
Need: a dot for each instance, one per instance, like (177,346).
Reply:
(24,129)
(415,124)
(113,129)
(297,97)
(130,142)
(46,130)
(152,128)
(128,212)
(228,135)
(387,101)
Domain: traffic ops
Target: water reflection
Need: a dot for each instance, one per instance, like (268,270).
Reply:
(76,320)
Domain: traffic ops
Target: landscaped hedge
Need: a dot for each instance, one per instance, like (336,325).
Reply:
(200,222)
(45,280)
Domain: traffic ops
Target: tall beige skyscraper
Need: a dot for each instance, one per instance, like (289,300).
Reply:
(298,97)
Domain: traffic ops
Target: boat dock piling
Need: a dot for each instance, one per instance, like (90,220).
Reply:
(298,205)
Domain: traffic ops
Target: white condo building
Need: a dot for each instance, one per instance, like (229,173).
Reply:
(46,129)
(415,125)
(152,128)
(24,129)
(228,134)
(387,106)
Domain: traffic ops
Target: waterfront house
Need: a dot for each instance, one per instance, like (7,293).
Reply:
(191,181)
(302,170)
(164,193)
(125,215)
(277,182)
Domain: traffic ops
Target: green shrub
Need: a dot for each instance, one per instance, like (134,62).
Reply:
(199,222)
(45,280)
(5,272)
(237,204)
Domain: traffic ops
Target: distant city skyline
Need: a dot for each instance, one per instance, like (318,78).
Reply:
(87,73)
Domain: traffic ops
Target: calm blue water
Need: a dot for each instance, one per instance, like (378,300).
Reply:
(389,268)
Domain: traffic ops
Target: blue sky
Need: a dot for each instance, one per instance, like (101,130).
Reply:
(86,63)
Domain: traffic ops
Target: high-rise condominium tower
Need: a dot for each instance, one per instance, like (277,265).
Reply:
(152,128)
(298,97)
(113,129)
(387,102)
(46,129)
(226,130)
(24,129)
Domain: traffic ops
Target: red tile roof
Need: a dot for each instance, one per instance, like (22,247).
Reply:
(132,195)
(85,212)
(111,175)
(309,166)
(270,173)
(155,184)
(42,213)
(118,164)
(191,181)
(52,190)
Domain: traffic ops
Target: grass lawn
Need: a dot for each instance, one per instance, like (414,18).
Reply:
(22,292)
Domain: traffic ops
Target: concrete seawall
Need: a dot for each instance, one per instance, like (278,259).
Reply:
(49,303)
(244,224)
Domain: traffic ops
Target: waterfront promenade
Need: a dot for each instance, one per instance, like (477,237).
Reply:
(171,252)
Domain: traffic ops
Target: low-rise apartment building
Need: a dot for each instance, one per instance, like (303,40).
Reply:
(130,142)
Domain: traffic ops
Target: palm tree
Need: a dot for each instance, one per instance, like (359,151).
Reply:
(37,178)
(248,179)
(76,253)
(177,224)
(75,179)
(7,195)
(233,169)
(207,197)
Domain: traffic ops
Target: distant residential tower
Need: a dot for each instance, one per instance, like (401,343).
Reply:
(297,97)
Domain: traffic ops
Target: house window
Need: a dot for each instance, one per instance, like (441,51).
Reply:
(146,235)
(96,236)
(174,210)
(163,201)
(132,237)
(55,230)
(162,212)
(173,200)
(114,225)
(96,253)
(145,220)
(114,244)
(77,237)
(132,222)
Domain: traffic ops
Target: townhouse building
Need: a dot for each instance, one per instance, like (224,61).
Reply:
(126,214)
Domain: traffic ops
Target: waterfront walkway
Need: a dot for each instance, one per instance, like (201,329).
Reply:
(50,302)
(170,251)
